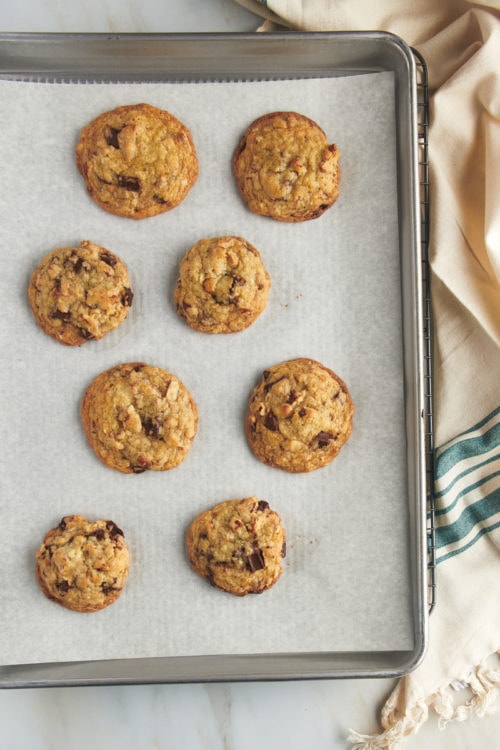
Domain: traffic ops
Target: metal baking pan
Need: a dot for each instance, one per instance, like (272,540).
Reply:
(189,58)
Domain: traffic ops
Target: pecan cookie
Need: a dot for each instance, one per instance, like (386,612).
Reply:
(285,168)
(138,417)
(223,285)
(82,564)
(238,545)
(80,293)
(137,160)
(299,416)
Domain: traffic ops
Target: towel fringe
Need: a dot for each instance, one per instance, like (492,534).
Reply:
(482,687)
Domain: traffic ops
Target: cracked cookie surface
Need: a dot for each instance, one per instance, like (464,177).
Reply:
(137,160)
(82,564)
(80,293)
(285,168)
(223,285)
(138,417)
(238,545)
(299,416)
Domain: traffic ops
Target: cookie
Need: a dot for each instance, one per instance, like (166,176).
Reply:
(80,293)
(223,285)
(137,160)
(138,417)
(82,564)
(299,416)
(285,168)
(238,545)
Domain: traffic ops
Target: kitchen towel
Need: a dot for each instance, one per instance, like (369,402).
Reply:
(460,43)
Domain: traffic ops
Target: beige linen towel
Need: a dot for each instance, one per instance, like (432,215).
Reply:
(460,42)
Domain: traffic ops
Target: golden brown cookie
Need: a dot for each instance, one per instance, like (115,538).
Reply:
(138,417)
(238,545)
(137,160)
(80,293)
(223,285)
(299,416)
(285,168)
(82,564)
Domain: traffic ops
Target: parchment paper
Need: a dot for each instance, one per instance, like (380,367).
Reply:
(335,297)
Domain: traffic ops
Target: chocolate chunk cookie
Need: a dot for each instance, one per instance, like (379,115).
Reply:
(80,293)
(285,168)
(223,285)
(238,545)
(82,564)
(137,160)
(138,417)
(299,416)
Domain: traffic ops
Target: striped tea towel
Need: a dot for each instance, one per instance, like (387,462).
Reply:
(460,42)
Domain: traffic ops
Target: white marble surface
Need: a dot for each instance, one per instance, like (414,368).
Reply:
(292,715)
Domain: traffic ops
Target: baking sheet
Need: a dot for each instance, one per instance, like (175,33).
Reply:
(336,297)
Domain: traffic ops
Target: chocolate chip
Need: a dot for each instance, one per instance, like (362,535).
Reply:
(111,137)
(262,505)
(324,438)
(62,524)
(127,297)
(302,412)
(292,396)
(107,588)
(256,560)
(99,535)
(271,422)
(78,265)
(63,586)
(109,259)
(283,549)
(129,183)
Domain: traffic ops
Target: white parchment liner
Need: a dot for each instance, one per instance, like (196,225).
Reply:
(335,297)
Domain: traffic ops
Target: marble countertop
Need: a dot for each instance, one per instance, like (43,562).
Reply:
(240,716)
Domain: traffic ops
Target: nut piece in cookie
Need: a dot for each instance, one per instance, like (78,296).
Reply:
(223,285)
(238,545)
(80,293)
(299,416)
(137,160)
(82,564)
(285,168)
(138,417)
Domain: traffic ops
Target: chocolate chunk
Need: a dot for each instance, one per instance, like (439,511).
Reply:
(129,183)
(262,505)
(99,534)
(59,315)
(78,265)
(85,334)
(271,422)
(127,297)
(283,549)
(109,259)
(63,586)
(113,529)
(62,524)
(292,396)
(160,200)
(256,560)
(302,412)
(268,386)
(324,438)
(153,427)
(111,137)
(107,588)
